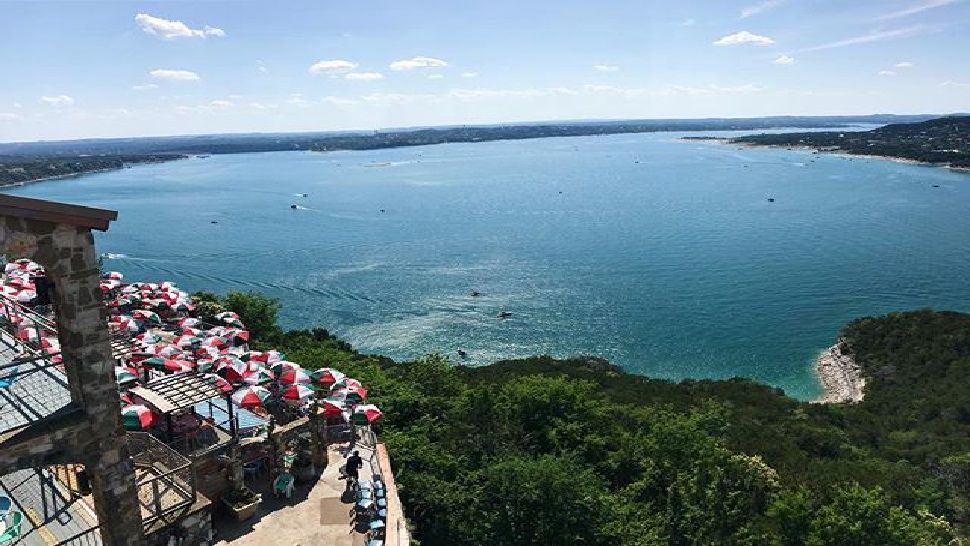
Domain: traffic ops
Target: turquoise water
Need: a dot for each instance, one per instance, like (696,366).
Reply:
(663,256)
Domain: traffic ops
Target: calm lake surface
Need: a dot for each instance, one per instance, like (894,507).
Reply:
(661,255)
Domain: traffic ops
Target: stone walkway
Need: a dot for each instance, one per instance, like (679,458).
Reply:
(318,514)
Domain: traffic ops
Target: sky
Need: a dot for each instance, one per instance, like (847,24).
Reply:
(78,69)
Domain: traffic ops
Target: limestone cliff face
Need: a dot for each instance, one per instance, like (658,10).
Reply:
(839,375)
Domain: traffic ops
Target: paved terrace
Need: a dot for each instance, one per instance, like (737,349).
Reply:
(317,514)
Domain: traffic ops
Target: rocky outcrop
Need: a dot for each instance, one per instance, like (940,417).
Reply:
(840,375)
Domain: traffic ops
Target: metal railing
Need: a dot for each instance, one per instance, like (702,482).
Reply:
(167,487)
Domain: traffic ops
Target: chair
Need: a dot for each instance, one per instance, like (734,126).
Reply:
(4,506)
(283,485)
(13,520)
(7,382)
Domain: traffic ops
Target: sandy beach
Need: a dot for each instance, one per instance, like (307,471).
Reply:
(839,375)
(839,153)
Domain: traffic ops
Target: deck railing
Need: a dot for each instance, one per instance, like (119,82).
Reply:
(168,486)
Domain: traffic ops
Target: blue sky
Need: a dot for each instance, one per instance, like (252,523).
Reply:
(77,69)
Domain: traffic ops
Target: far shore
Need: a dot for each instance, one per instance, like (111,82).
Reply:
(840,153)
(21,183)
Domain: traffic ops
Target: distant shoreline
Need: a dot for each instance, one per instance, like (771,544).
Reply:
(841,153)
(21,183)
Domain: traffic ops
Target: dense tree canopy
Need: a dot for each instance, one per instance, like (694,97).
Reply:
(547,452)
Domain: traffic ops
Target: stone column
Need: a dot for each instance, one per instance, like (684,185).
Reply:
(68,255)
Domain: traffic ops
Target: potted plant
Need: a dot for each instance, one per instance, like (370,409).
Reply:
(242,501)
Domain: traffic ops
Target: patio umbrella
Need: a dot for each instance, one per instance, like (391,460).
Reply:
(215,341)
(147,316)
(113,275)
(186,341)
(349,395)
(108,285)
(205,365)
(233,370)
(167,350)
(282,366)
(366,414)
(189,322)
(124,374)
(260,377)
(348,383)
(137,417)
(251,397)
(326,376)
(295,376)
(297,393)
(148,337)
(223,385)
(168,365)
(229,318)
(333,407)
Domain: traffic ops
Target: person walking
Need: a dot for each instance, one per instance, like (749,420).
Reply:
(354,463)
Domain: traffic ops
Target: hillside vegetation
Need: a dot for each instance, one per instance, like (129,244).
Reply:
(561,452)
(943,140)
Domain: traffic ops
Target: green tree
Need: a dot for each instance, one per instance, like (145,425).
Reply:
(257,311)
(857,516)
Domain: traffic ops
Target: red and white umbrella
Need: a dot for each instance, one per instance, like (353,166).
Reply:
(333,407)
(251,397)
(295,376)
(189,322)
(169,365)
(327,376)
(366,414)
(297,393)
(223,385)
(137,417)
(113,275)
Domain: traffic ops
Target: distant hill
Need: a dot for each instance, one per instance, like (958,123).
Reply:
(354,140)
(944,141)
(30,161)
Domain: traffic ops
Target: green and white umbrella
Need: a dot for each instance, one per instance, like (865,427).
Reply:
(137,417)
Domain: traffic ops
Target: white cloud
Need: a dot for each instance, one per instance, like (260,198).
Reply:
(144,87)
(436,76)
(337,66)
(261,66)
(743,37)
(469,74)
(59,100)
(297,99)
(178,75)
(338,101)
(169,29)
(755,9)
(784,59)
(262,106)
(904,64)
(689,22)
(8,116)
(364,76)
(951,83)
(472,94)
(211,106)
(878,36)
(418,62)
(886,73)
(606,67)
(714,89)
(918,7)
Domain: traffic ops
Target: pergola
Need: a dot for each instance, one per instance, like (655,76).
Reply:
(175,393)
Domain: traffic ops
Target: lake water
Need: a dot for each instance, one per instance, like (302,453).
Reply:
(661,255)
